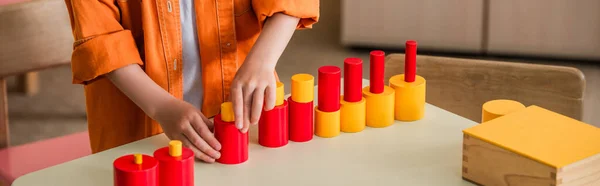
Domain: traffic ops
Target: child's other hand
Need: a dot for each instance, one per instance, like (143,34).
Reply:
(253,88)
(182,121)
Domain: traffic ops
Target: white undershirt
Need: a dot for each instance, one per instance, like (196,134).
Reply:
(192,75)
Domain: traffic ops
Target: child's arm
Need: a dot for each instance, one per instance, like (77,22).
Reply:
(254,82)
(178,119)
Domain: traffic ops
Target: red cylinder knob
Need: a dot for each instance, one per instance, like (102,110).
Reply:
(234,143)
(410,61)
(377,59)
(175,170)
(273,126)
(353,79)
(129,173)
(329,88)
(301,121)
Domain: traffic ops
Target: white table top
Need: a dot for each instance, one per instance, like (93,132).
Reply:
(424,152)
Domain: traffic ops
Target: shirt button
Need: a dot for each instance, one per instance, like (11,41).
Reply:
(228,44)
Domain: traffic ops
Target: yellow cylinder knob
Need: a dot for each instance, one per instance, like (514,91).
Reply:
(352,115)
(380,107)
(303,88)
(327,124)
(496,108)
(138,159)
(175,148)
(410,98)
(279,94)
(227,112)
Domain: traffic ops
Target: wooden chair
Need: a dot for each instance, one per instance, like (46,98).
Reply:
(462,86)
(34,35)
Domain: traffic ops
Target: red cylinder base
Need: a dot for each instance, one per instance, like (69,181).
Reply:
(127,173)
(234,143)
(273,126)
(301,121)
(175,171)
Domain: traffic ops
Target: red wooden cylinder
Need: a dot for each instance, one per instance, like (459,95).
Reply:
(353,79)
(128,173)
(273,126)
(301,121)
(410,61)
(234,143)
(175,171)
(377,59)
(329,88)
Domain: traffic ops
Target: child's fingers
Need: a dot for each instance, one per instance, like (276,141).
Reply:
(201,128)
(257,104)
(238,105)
(197,153)
(200,144)
(247,107)
(270,96)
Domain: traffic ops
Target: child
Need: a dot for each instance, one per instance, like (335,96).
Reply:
(153,66)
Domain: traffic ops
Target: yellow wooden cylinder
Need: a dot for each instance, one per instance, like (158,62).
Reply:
(379,107)
(327,124)
(227,112)
(303,88)
(352,115)
(500,107)
(175,148)
(409,103)
(279,94)
(138,159)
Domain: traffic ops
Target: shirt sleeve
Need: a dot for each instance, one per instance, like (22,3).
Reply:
(306,10)
(101,45)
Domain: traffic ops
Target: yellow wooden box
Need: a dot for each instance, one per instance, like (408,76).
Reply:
(533,146)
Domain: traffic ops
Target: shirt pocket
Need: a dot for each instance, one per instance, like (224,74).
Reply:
(241,7)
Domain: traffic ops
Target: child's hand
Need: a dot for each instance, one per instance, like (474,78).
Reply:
(182,121)
(253,85)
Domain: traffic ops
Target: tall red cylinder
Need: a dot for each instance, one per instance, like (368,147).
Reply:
(128,173)
(377,59)
(175,171)
(273,126)
(353,79)
(410,61)
(329,88)
(300,121)
(234,143)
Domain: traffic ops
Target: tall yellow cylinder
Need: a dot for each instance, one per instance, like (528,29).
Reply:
(379,107)
(227,114)
(409,101)
(327,124)
(352,115)
(303,88)
(496,108)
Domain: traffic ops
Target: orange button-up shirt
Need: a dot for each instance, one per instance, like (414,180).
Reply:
(110,34)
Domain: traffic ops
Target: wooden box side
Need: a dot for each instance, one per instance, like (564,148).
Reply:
(487,164)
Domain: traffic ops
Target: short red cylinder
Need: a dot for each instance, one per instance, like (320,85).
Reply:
(234,143)
(410,61)
(273,126)
(329,88)
(377,58)
(353,79)
(301,121)
(127,173)
(175,171)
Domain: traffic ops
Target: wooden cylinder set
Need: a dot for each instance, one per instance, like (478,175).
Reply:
(170,166)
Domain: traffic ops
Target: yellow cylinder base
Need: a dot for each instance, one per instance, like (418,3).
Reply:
(410,98)
(327,124)
(496,108)
(379,107)
(352,116)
